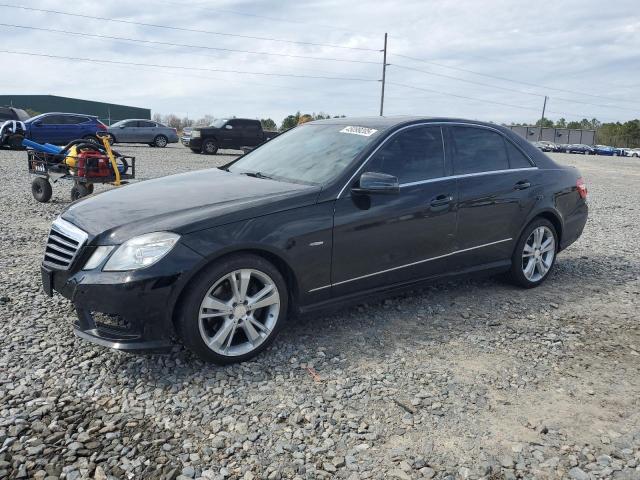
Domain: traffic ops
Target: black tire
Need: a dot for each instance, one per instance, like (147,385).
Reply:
(92,139)
(209,147)
(161,141)
(516,273)
(89,187)
(15,142)
(188,326)
(195,150)
(78,191)
(41,189)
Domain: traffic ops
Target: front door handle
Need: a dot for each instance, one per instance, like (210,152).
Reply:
(522,185)
(440,200)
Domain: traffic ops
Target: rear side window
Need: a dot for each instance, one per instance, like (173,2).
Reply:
(412,155)
(146,124)
(75,120)
(517,159)
(478,150)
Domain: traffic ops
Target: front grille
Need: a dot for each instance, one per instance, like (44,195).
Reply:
(64,242)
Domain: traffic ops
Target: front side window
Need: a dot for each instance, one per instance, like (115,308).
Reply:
(53,120)
(478,150)
(411,155)
(313,153)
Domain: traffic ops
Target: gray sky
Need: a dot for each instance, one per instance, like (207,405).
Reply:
(585,55)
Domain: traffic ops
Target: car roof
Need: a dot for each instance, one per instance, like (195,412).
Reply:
(65,113)
(384,123)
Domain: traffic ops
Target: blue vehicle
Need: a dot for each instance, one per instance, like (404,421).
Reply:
(605,150)
(579,148)
(61,128)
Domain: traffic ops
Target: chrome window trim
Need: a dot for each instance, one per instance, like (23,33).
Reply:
(410,264)
(440,124)
(465,175)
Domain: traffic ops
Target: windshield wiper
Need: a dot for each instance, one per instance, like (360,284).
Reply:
(256,175)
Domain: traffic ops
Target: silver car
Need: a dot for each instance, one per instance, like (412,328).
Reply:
(142,131)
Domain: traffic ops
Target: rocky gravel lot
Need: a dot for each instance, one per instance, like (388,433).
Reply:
(470,379)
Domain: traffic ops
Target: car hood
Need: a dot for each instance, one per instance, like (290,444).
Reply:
(183,203)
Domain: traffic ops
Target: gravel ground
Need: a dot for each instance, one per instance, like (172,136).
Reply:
(466,379)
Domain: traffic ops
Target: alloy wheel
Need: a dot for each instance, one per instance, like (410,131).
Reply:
(538,254)
(239,312)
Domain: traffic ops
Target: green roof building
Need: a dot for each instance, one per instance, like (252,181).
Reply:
(107,112)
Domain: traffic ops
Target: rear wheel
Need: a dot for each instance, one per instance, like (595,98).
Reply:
(78,191)
(209,147)
(535,254)
(234,310)
(160,141)
(41,189)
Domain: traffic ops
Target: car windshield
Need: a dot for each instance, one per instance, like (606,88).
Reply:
(117,124)
(313,153)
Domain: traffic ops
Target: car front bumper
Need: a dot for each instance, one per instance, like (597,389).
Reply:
(130,311)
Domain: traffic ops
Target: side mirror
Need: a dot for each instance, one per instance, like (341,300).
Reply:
(121,126)
(374,182)
(228,127)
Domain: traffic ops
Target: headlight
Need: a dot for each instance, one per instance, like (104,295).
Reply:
(142,251)
(195,133)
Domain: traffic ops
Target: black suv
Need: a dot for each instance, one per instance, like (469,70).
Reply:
(233,133)
(10,113)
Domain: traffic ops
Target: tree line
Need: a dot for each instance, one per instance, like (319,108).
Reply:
(290,121)
(616,134)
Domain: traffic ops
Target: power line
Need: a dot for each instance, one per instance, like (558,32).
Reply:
(255,15)
(180,67)
(482,99)
(466,81)
(460,96)
(184,45)
(509,89)
(504,78)
(183,29)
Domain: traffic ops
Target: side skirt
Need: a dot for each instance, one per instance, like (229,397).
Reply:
(381,292)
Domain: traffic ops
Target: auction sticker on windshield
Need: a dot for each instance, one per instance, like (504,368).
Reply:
(364,131)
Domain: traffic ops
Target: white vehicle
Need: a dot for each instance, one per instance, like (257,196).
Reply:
(633,152)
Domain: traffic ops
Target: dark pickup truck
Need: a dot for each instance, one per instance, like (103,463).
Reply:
(231,133)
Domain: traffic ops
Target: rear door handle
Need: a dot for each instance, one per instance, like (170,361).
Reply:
(522,185)
(440,200)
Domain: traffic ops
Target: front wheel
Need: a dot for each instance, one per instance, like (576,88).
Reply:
(234,310)
(535,254)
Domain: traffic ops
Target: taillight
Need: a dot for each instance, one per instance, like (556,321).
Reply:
(101,126)
(582,188)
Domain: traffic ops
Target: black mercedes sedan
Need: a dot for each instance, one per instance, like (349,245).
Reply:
(328,213)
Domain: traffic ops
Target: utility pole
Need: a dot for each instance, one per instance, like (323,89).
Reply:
(544,107)
(384,72)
